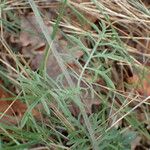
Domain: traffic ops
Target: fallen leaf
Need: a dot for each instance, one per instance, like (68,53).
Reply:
(141,84)
(135,143)
(30,34)
(11,112)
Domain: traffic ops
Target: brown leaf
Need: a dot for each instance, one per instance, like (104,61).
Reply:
(31,33)
(141,83)
(11,112)
(135,143)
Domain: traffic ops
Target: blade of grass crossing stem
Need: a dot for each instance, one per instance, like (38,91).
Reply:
(62,66)
(50,42)
(42,69)
(87,62)
(30,108)
(55,27)
(82,16)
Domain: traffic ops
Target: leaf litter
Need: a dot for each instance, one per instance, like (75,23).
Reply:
(32,45)
(12,111)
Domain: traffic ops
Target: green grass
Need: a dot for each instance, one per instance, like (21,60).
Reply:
(57,127)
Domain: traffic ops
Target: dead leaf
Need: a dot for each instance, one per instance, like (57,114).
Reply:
(11,112)
(30,34)
(141,83)
(135,143)
(31,37)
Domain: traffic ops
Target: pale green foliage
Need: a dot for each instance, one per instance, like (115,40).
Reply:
(63,130)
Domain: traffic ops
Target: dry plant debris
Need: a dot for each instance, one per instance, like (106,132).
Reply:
(110,75)
(12,111)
